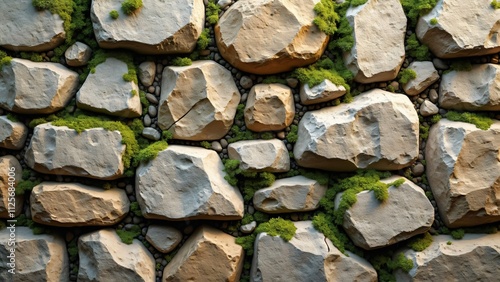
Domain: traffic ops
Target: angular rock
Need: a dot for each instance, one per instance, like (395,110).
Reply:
(37,257)
(151,133)
(308,256)
(428,108)
(283,30)
(198,102)
(95,153)
(55,85)
(105,91)
(23,28)
(323,92)
(463,169)
(378,130)
(185,182)
(163,238)
(12,133)
(453,36)
(103,257)
(10,175)
(147,71)
(208,255)
(474,258)
(248,228)
(294,194)
(73,204)
(269,107)
(407,209)
(426,76)
(158,27)
(376,62)
(474,90)
(260,155)
(78,54)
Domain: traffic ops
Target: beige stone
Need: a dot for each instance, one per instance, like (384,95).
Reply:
(260,155)
(12,134)
(147,72)
(426,76)
(323,92)
(78,54)
(10,173)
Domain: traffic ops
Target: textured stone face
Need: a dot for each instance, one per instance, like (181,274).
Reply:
(378,130)
(261,155)
(163,238)
(55,85)
(283,30)
(61,150)
(426,76)
(158,27)
(455,34)
(12,134)
(78,54)
(9,168)
(463,169)
(147,71)
(198,102)
(323,92)
(208,255)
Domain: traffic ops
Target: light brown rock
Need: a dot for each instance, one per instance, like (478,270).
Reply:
(78,54)
(12,133)
(10,175)
(427,108)
(147,71)
(260,155)
(323,92)
(426,76)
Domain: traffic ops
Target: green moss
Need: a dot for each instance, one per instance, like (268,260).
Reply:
(127,236)
(460,65)
(406,75)
(135,208)
(212,12)
(26,174)
(167,135)
(495,4)
(293,136)
(417,50)
(255,181)
(182,62)
(480,121)
(150,152)
(25,185)
(206,144)
(36,228)
(274,79)
(416,8)
(247,218)
(260,217)
(434,21)
(278,227)
(203,40)
(435,119)
(324,223)
(32,56)
(326,18)
(421,242)
(318,175)
(267,135)
(240,112)
(401,262)
(232,169)
(12,117)
(114,14)
(4,59)
(356,3)
(424,131)
(240,135)
(324,69)
(458,234)
(144,100)
(73,250)
(246,242)
(63,8)
(130,6)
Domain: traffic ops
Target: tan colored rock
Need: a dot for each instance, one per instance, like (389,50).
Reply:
(61,150)
(426,76)
(158,27)
(10,175)
(12,134)
(383,22)
(55,85)
(198,102)
(283,30)
(378,130)
(463,169)
(147,71)
(73,204)
(427,108)
(474,90)
(269,107)
(260,155)
(454,35)
(323,92)
(163,238)
(78,54)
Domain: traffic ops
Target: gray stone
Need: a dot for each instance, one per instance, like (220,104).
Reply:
(323,92)
(440,64)
(163,238)
(216,146)
(12,134)
(260,155)
(428,108)
(147,71)
(246,82)
(224,3)
(10,176)
(248,228)
(433,95)
(151,133)
(78,54)
(426,76)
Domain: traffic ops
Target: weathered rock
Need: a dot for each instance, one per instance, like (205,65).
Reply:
(37,257)
(269,107)
(103,257)
(323,92)
(407,209)
(308,256)
(61,150)
(55,85)
(426,76)
(294,194)
(376,62)
(158,27)
(463,169)
(193,186)
(78,54)
(151,133)
(147,71)
(428,108)
(454,36)
(474,258)
(378,130)
(283,30)
(73,204)
(163,238)
(261,155)
(474,90)
(105,91)
(10,175)
(198,102)
(12,134)
(248,228)
(23,28)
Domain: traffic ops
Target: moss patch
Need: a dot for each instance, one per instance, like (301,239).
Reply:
(203,40)
(181,62)
(25,185)
(114,14)
(421,242)
(212,12)
(278,227)
(135,208)
(406,75)
(4,59)
(416,8)
(495,4)
(326,18)
(130,6)
(127,236)
(416,49)
(480,121)
(324,69)
(274,79)
(63,8)
(150,152)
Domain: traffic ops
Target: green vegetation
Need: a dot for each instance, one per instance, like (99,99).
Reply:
(114,14)
(260,217)
(416,8)
(385,265)
(32,56)
(274,79)
(460,65)
(278,227)
(241,135)
(12,117)
(406,75)
(204,39)
(167,135)
(130,6)
(4,59)
(480,121)
(326,18)
(36,228)
(212,12)
(324,223)
(424,131)
(324,69)
(356,3)
(247,243)
(100,56)
(182,62)
(63,8)
(25,185)
(206,144)
(150,152)
(457,234)
(247,218)
(144,100)
(417,50)
(267,135)
(421,242)
(127,237)
(250,181)
(293,136)
(495,4)
(434,21)
(73,250)
(435,119)
(135,208)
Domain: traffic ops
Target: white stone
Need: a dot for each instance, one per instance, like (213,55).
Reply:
(163,238)
(78,54)
(10,175)
(248,228)
(260,155)
(428,108)
(147,71)
(12,133)
(426,76)
(323,92)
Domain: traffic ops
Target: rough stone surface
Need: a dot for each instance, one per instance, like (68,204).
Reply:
(378,130)
(474,258)
(208,255)
(55,85)
(426,76)
(73,204)
(455,35)
(474,90)
(147,71)
(12,134)
(407,209)
(151,133)
(61,150)
(269,107)
(105,91)
(283,30)
(198,102)
(427,108)
(193,186)
(323,92)
(158,27)
(308,256)
(376,62)
(163,238)
(78,54)
(463,169)
(294,194)
(103,257)
(261,155)
(38,257)
(23,28)
(10,165)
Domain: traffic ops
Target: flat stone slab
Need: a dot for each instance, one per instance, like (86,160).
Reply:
(13,134)
(260,155)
